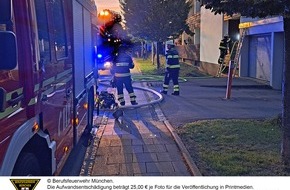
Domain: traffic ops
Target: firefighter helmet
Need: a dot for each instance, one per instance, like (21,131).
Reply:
(170,44)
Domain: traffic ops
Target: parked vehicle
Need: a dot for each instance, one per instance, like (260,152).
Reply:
(109,37)
(47,83)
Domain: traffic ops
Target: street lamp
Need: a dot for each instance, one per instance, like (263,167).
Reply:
(104,17)
(104,13)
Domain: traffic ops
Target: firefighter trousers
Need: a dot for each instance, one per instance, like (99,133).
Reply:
(222,56)
(171,74)
(127,82)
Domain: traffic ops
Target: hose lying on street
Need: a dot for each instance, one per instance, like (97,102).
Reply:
(155,101)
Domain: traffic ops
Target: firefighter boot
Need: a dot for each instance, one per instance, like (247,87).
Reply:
(121,99)
(133,98)
(176,93)
(134,103)
(175,90)
(163,92)
(165,89)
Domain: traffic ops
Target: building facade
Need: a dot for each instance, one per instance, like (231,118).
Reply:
(262,51)
(262,54)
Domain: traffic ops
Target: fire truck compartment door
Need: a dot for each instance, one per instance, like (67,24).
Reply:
(8,50)
(78,32)
(5,11)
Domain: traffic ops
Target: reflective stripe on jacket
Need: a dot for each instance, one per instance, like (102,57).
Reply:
(122,65)
(224,44)
(172,59)
(122,74)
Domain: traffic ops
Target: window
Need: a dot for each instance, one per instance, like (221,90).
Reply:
(43,37)
(60,41)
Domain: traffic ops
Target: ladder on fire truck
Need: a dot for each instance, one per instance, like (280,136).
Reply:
(234,54)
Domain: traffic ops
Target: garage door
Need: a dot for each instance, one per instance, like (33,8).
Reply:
(260,57)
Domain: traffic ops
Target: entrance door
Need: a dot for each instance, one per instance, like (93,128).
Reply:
(260,57)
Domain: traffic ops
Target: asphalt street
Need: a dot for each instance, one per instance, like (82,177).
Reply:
(204,98)
(200,99)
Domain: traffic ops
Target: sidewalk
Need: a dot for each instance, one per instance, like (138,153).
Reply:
(143,143)
(146,144)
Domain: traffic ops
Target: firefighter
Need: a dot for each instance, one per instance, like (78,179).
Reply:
(224,48)
(122,64)
(172,69)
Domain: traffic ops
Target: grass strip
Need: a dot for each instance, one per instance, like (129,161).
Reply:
(235,147)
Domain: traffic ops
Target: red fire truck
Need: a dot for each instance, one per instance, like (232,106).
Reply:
(47,83)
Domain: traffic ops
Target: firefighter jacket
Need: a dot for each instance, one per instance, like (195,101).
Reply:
(122,64)
(224,44)
(172,59)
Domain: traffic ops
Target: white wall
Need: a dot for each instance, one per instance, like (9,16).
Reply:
(211,33)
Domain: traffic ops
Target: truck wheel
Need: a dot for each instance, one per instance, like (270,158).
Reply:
(27,165)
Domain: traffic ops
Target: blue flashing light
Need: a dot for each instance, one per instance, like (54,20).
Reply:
(99,55)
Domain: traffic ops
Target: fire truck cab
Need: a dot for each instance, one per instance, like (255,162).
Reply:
(47,82)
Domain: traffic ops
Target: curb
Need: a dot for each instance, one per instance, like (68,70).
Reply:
(239,86)
(91,152)
(185,154)
(190,163)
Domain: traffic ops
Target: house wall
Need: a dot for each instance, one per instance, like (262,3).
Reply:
(272,27)
(212,29)
(211,32)
(277,60)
